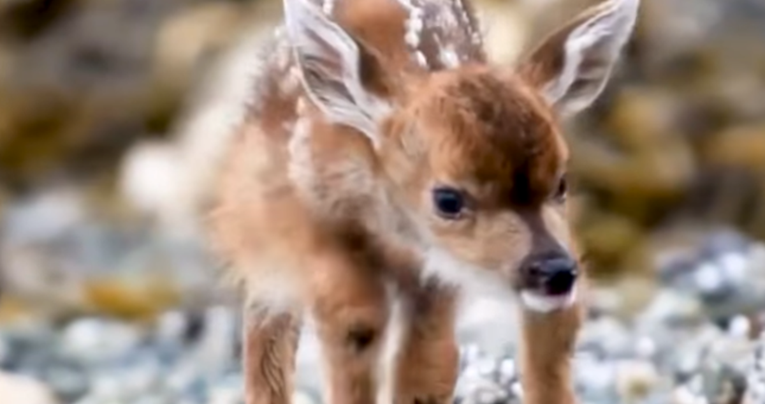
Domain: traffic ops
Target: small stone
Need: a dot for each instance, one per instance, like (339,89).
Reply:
(216,346)
(171,327)
(593,376)
(635,379)
(152,400)
(606,334)
(683,395)
(739,327)
(671,307)
(182,377)
(517,390)
(646,347)
(68,382)
(507,371)
(487,367)
(107,387)
(95,340)
(709,279)
(734,266)
(22,389)
(226,395)
(300,397)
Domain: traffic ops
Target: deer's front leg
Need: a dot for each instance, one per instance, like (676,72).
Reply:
(549,340)
(428,362)
(269,345)
(351,310)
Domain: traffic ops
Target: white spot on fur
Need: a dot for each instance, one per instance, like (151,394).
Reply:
(445,22)
(544,304)
(414,24)
(421,60)
(463,12)
(479,31)
(449,57)
(445,19)
(393,341)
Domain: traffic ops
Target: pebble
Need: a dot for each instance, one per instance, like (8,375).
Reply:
(98,340)
(22,389)
(635,379)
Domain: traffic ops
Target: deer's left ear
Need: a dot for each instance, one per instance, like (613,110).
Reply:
(338,73)
(571,66)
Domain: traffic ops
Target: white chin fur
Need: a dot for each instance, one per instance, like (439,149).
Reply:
(544,304)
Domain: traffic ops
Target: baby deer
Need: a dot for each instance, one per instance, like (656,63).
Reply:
(386,171)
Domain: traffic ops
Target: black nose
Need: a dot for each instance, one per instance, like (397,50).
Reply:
(554,275)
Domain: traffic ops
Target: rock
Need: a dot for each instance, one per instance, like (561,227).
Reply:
(140,297)
(68,381)
(670,306)
(229,390)
(97,341)
(216,345)
(755,374)
(635,379)
(607,336)
(683,395)
(21,389)
(303,398)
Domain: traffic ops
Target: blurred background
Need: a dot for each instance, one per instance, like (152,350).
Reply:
(113,115)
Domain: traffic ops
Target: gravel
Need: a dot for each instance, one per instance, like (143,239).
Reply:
(692,344)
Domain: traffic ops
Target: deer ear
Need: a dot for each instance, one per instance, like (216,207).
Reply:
(336,71)
(571,66)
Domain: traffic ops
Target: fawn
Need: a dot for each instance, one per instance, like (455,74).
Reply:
(386,171)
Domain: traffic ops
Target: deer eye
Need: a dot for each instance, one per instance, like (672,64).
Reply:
(449,202)
(561,190)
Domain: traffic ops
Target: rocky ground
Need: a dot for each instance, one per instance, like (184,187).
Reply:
(693,341)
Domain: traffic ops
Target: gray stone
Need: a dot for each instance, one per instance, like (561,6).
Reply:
(95,340)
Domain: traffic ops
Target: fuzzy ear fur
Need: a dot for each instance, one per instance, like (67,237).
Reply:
(334,67)
(571,66)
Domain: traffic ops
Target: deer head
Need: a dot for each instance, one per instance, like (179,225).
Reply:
(471,156)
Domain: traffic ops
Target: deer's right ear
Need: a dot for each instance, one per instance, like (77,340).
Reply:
(572,66)
(335,69)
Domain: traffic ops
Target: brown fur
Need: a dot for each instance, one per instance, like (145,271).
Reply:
(329,242)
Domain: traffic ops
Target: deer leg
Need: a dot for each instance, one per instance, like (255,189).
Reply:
(548,344)
(427,366)
(269,347)
(350,306)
